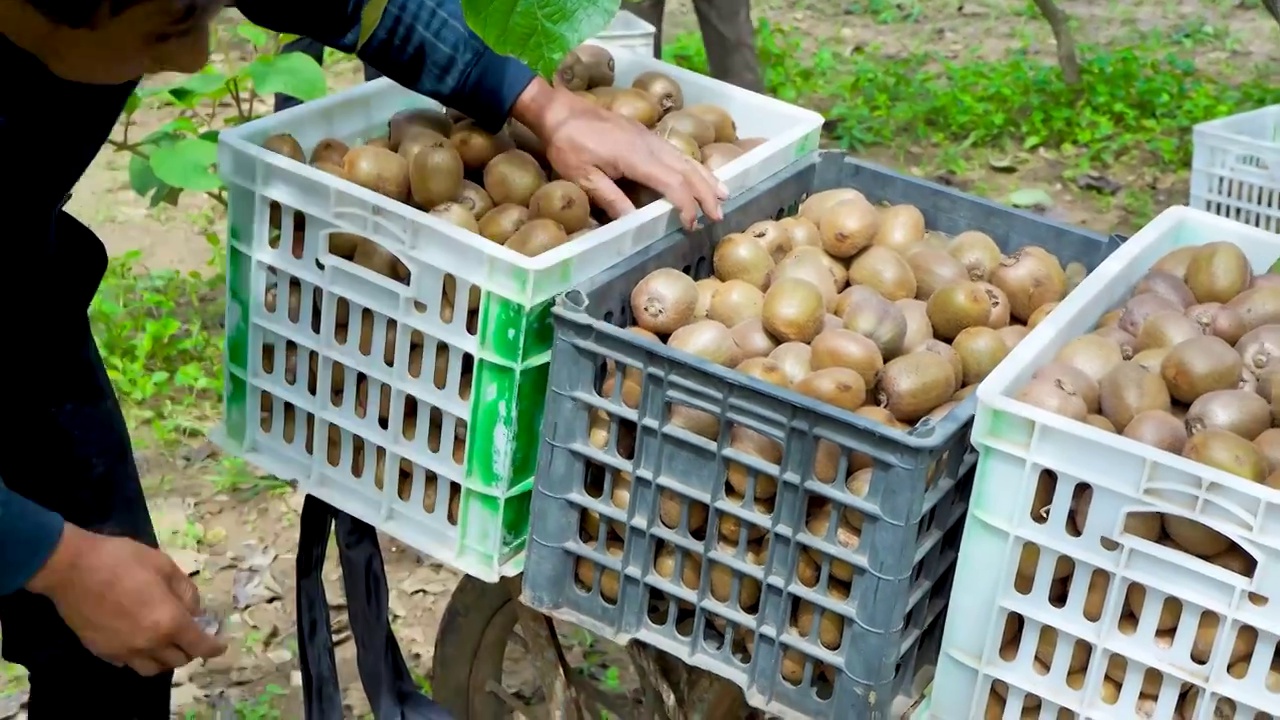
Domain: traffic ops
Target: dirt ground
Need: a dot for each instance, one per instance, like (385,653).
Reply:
(243,543)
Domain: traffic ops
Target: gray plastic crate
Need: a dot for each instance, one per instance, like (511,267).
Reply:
(900,568)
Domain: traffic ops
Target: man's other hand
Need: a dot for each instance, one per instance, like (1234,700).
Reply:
(129,604)
(593,147)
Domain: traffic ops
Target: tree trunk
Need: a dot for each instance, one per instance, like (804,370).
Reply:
(1058,22)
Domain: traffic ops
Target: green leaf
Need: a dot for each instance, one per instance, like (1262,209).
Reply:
(1275,268)
(1029,198)
(254,34)
(131,105)
(295,74)
(187,164)
(141,177)
(539,32)
(207,83)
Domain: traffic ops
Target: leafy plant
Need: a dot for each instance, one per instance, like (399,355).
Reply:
(539,32)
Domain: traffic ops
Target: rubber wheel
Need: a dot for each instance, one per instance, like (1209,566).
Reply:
(470,645)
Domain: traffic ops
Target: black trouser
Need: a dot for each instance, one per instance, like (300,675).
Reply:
(316,51)
(66,447)
(727,34)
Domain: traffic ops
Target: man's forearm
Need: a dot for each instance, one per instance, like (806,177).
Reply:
(28,536)
(424,45)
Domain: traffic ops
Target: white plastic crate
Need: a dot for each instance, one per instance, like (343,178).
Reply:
(1082,649)
(627,32)
(491,353)
(1235,169)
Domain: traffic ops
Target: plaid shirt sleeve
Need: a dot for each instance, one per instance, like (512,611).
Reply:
(424,45)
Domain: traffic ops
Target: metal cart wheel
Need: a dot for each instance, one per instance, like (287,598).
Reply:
(482,620)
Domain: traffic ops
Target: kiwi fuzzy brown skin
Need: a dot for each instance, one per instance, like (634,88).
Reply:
(536,237)
(901,227)
(836,270)
(635,105)
(846,349)
(954,308)
(1152,359)
(793,310)
(948,353)
(435,176)
(1054,396)
(934,269)
(848,226)
(736,301)
(500,223)
(1100,422)
(1218,320)
(739,256)
(811,271)
(1128,390)
(1140,307)
(329,150)
(682,142)
(573,73)
(1227,452)
(881,321)
(405,121)
(334,169)
(708,340)
(1175,261)
(836,386)
(1217,272)
(912,385)
(753,340)
(1200,365)
(1166,329)
(1030,279)
(1166,285)
(513,177)
(774,237)
(477,147)
(564,202)
(600,64)
(1128,343)
(1158,429)
(795,359)
(1073,379)
(665,91)
(980,349)
(1239,412)
(717,155)
(726,131)
(689,124)
(1040,314)
(977,252)
(475,199)
(919,329)
(1257,306)
(706,288)
(885,270)
(418,139)
(817,204)
(664,301)
(379,170)
(286,145)
(1013,334)
(455,213)
(1268,388)
(1268,443)
(1259,349)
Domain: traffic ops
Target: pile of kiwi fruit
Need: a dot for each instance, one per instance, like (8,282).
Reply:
(850,303)
(1188,364)
(501,186)
(412,412)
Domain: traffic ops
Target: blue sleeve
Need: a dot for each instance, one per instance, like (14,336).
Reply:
(28,536)
(424,45)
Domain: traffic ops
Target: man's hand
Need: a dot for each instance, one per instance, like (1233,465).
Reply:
(128,603)
(594,147)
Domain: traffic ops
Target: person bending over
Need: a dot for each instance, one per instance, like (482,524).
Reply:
(95,612)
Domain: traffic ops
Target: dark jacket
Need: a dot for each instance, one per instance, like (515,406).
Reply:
(421,44)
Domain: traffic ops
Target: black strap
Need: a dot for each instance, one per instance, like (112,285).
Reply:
(387,683)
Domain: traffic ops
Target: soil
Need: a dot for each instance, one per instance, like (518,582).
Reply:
(243,544)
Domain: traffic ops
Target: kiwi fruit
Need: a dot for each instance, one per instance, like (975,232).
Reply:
(1166,329)
(1268,388)
(881,321)
(1217,272)
(1126,390)
(1268,443)
(1259,349)
(418,139)
(717,155)
(1218,320)
(1257,306)
(334,169)
(476,147)
(1040,314)
(836,386)
(980,349)
(406,121)
(1158,429)
(634,105)
(933,270)
(793,310)
(811,271)
(665,91)
(1227,452)
(709,340)
(1110,318)
(919,328)
(684,143)
(1074,379)
(500,223)
(1239,412)
(329,150)
(573,73)
(1000,309)
(690,124)
(1166,285)
(381,141)
(753,340)
(706,289)
(817,204)
(1013,334)
(977,252)
(344,245)
(1128,343)
(564,202)
(912,385)
(901,228)
(954,308)
(1200,365)
(848,226)
(435,176)
(455,213)
(1054,396)
(599,62)
(1100,422)
(773,235)
(739,256)
(513,177)
(1175,262)
(524,139)
(836,269)
(379,170)
(286,145)
(721,122)
(948,353)
(885,270)
(1138,308)
(1151,360)
(736,301)
(1030,278)
(474,198)
(537,236)
(795,359)
(664,301)
(846,349)
(749,144)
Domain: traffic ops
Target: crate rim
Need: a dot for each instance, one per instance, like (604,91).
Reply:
(990,392)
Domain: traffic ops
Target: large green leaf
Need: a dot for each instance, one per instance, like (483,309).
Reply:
(187,164)
(539,32)
(295,74)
